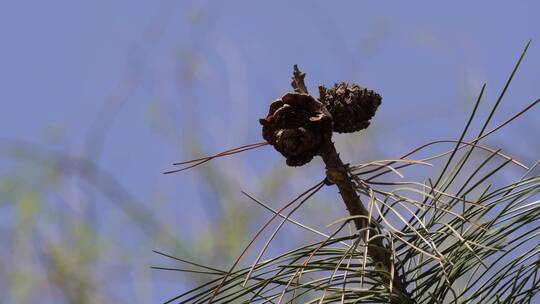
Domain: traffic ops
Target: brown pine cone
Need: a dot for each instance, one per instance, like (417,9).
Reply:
(351,106)
(297,125)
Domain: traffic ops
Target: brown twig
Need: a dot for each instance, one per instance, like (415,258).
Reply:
(298,81)
(338,173)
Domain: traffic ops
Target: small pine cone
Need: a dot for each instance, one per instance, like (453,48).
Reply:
(297,125)
(351,106)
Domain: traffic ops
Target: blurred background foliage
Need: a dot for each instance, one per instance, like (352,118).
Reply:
(98,99)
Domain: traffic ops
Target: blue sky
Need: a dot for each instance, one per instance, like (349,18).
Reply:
(121,82)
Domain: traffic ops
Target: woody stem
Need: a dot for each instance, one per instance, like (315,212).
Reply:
(337,173)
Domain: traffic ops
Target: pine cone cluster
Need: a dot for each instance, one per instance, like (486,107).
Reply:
(350,105)
(297,125)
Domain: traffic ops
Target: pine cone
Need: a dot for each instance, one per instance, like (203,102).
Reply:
(297,125)
(350,105)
